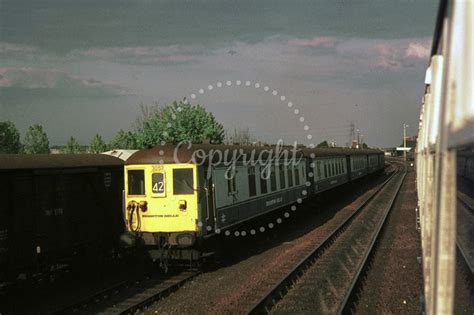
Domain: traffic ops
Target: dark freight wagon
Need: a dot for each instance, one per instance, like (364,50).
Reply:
(56,210)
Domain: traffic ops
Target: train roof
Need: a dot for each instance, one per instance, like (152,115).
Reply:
(196,153)
(338,151)
(56,161)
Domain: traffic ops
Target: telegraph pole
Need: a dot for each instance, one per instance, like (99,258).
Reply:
(405,141)
(358,139)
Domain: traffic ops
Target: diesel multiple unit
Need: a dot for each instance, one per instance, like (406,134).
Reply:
(176,197)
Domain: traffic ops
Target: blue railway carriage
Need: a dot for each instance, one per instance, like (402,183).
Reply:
(358,166)
(374,162)
(177,196)
(328,168)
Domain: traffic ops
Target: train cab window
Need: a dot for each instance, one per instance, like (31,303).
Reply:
(136,182)
(281,169)
(263,181)
(273,180)
(297,175)
(251,178)
(290,175)
(183,182)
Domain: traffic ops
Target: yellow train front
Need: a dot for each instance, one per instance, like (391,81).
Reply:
(161,203)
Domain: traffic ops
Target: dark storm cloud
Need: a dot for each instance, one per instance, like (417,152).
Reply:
(65,25)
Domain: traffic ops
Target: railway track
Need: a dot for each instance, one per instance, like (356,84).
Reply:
(465,217)
(129,296)
(324,281)
(466,201)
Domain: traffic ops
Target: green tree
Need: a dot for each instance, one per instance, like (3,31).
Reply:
(179,122)
(72,146)
(123,140)
(9,138)
(36,140)
(97,145)
(365,146)
(323,144)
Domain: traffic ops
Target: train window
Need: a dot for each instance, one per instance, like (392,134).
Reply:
(332,169)
(252,186)
(136,182)
(318,169)
(231,184)
(157,183)
(183,182)
(263,181)
(273,180)
(297,175)
(290,175)
(325,170)
(281,169)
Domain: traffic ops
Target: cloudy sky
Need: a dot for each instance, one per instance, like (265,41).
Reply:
(81,67)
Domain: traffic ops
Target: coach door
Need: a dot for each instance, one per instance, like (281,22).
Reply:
(209,201)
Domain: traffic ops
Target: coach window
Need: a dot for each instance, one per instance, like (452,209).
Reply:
(325,170)
(136,182)
(290,175)
(183,182)
(252,186)
(231,185)
(273,180)
(281,169)
(297,175)
(318,169)
(263,181)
